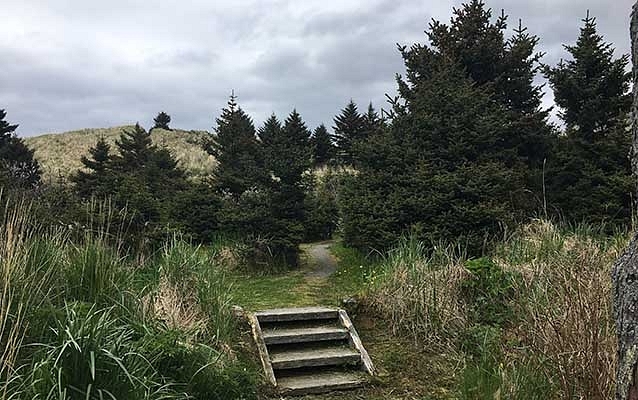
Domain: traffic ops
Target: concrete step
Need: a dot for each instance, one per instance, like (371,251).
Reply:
(320,382)
(314,357)
(274,336)
(297,314)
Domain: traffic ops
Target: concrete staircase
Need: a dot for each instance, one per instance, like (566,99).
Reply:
(310,350)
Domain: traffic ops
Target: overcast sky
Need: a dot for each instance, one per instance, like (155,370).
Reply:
(72,64)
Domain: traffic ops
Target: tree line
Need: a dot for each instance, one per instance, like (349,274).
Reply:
(464,152)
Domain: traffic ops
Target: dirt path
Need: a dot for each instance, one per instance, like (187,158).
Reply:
(320,262)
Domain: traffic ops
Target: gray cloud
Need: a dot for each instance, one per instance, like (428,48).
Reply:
(70,65)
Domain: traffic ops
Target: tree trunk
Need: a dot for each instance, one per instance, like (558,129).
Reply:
(625,271)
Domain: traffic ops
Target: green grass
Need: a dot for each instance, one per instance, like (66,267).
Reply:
(295,289)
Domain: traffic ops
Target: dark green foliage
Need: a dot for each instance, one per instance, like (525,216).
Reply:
(591,89)
(348,131)
(441,169)
(323,150)
(372,123)
(322,211)
(506,67)
(6,129)
(141,178)
(589,177)
(161,121)
(18,168)
(99,179)
(288,158)
(196,211)
(464,150)
(239,155)
(241,179)
(135,148)
(268,133)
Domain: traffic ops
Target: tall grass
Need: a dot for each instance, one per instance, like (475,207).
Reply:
(73,324)
(567,307)
(195,290)
(93,356)
(557,340)
(25,277)
(418,291)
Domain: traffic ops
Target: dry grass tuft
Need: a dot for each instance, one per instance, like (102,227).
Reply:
(420,295)
(562,324)
(178,310)
(566,310)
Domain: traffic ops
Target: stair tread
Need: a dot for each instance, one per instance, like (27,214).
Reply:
(321,382)
(314,357)
(273,335)
(292,314)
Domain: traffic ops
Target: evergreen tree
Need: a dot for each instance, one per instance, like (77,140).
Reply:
(238,152)
(135,148)
(466,140)
(323,150)
(269,134)
(372,122)
(140,177)
(348,130)
(591,89)
(289,157)
(147,177)
(589,178)
(18,167)
(98,178)
(471,39)
(440,170)
(162,120)
(6,129)
(506,66)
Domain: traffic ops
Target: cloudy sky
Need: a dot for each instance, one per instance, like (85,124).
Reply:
(71,64)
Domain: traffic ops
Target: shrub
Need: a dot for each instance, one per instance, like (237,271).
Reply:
(488,292)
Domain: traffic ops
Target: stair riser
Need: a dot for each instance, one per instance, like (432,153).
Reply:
(322,316)
(317,362)
(274,340)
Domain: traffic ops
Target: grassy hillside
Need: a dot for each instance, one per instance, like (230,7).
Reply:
(60,153)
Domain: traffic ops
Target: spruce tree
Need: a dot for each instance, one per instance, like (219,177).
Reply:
(507,66)
(6,129)
(135,149)
(589,178)
(240,180)
(452,164)
(591,89)
(289,157)
(268,134)
(162,120)
(98,178)
(323,149)
(372,122)
(18,167)
(238,152)
(348,131)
